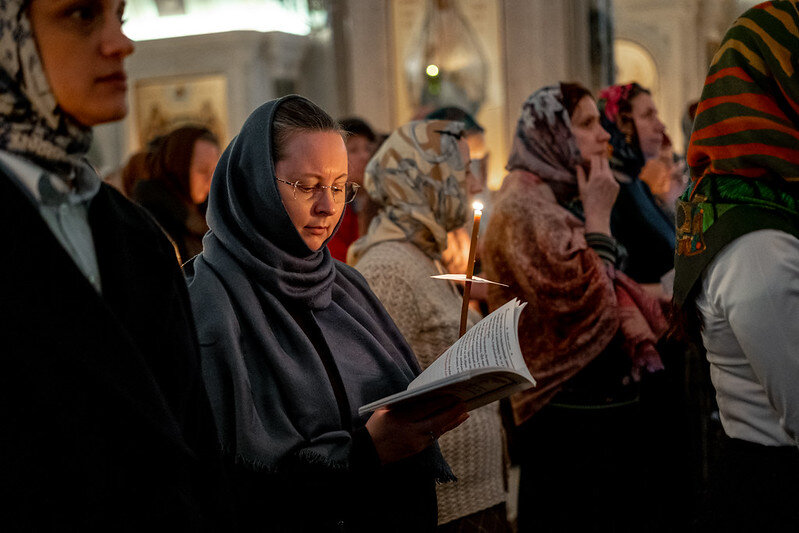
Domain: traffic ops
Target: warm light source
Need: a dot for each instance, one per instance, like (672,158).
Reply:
(144,22)
(477,206)
(432,70)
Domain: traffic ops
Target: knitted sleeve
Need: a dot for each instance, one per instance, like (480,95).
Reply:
(397,296)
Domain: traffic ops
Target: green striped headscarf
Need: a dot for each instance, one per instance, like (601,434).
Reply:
(744,151)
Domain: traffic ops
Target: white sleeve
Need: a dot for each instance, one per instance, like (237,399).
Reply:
(755,284)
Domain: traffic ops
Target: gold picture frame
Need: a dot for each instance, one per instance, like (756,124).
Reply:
(163,104)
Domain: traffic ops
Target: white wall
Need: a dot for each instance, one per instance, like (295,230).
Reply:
(251,62)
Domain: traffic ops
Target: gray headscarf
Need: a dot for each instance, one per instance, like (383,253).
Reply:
(270,312)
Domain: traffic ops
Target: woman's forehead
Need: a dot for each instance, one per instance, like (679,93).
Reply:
(315,154)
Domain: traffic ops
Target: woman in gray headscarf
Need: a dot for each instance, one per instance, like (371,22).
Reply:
(294,342)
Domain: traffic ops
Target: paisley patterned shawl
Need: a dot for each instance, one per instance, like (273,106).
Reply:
(535,243)
(418,177)
(744,151)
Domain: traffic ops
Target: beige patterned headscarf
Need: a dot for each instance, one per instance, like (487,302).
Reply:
(31,123)
(418,177)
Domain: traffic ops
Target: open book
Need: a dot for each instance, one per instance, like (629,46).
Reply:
(484,365)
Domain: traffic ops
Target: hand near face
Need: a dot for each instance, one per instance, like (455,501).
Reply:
(657,176)
(598,192)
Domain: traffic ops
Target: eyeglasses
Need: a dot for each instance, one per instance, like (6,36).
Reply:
(341,195)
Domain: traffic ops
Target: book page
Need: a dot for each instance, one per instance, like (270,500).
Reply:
(492,342)
(474,388)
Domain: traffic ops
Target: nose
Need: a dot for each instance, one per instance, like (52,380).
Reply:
(602,135)
(114,42)
(324,205)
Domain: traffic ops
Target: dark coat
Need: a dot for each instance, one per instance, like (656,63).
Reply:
(105,422)
(645,230)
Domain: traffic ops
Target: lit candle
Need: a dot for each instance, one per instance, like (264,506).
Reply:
(467,288)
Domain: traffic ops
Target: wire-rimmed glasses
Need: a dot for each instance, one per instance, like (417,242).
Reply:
(341,195)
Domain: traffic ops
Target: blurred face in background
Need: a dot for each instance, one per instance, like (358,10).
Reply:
(473,182)
(456,255)
(82,49)
(359,152)
(648,126)
(201,170)
(478,152)
(592,139)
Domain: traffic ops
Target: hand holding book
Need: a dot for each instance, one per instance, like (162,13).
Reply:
(400,433)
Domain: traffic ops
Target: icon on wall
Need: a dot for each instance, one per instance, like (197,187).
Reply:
(163,104)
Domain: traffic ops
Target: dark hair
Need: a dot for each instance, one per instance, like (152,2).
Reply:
(169,157)
(624,119)
(572,93)
(296,115)
(136,169)
(356,127)
(457,114)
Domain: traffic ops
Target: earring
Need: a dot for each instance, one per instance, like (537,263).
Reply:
(628,137)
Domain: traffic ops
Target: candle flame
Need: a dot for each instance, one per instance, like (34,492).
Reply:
(477,206)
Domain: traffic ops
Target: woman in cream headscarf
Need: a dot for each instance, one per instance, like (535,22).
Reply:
(421,178)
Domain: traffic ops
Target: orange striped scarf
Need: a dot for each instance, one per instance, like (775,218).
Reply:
(747,123)
(744,151)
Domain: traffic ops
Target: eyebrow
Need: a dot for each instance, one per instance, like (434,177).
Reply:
(458,135)
(318,177)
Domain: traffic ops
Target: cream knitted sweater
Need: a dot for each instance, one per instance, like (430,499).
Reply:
(427,312)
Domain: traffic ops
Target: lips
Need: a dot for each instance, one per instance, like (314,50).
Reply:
(316,230)
(117,77)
